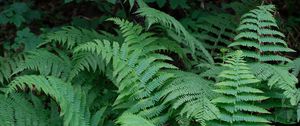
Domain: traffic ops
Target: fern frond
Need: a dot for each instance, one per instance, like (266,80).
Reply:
(154,16)
(71,100)
(236,102)
(257,32)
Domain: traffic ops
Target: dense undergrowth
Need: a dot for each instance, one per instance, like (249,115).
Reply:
(149,63)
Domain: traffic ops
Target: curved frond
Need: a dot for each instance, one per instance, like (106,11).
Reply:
(46,63)
(71,100)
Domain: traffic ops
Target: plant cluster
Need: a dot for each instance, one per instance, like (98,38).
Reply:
(136,65)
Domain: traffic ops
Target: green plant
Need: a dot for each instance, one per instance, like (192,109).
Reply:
(166,63)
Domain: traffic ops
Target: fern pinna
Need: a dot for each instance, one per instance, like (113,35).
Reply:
(238,93)
(259,32)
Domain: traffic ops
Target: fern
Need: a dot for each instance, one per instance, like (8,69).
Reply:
(154,16)
(238,94)
(192,94)
(137,70)
(258,31)
(71,100)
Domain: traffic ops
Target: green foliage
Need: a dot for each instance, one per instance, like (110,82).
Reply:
(72,36)
(66,63)
(238,93)
(193,100)
(220,27)
(8,66)
(46,63)
(154,16)
(258,31)
(278,77)
(17,110)
(136,69)
(264,43)
(217,30)
(71,99)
